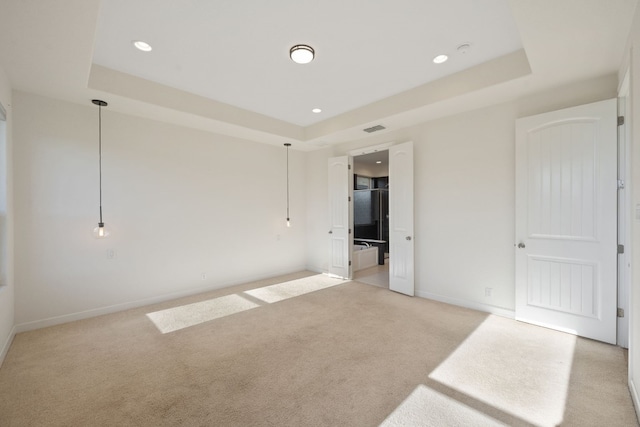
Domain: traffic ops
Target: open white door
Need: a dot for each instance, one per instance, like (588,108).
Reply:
(566,245)
(401,219)
(340,214)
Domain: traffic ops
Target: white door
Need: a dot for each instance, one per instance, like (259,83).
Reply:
(340,214)
(401,218)
(566,244)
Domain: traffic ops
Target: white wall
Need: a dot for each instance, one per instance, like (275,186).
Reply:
(181,203)
(6,231)
(464,197)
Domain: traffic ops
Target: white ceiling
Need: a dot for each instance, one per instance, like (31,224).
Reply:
(223,65)
(237,52)
(372,159)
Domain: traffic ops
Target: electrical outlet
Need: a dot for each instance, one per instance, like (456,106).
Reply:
(111,254)
(487,292)
(204,276)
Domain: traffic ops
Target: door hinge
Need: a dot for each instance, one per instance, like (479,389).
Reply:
(349,262)
(349,231)
(620,184)
(620,312)
(349,167)
(349,198)
(620,120)
(620,249)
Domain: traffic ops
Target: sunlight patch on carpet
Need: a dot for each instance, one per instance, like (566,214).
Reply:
(427,407)
(520,369)
(174,319)
(294,288)
(177,318)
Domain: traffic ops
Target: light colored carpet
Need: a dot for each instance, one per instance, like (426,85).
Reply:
(511,366)
(176,318)
(184,316)
(427,407)
(350,354)
(293,288)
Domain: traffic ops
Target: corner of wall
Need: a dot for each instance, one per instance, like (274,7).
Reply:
(7,298)
(7,345)
(634,395)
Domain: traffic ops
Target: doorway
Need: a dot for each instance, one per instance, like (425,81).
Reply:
(371,218)
(401,243)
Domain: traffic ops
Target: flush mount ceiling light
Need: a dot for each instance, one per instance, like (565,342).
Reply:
(440,59)
(316,110)
(302,54)
(143,46)
(100,231)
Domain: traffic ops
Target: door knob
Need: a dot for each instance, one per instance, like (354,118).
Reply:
(408,237)
(521,245)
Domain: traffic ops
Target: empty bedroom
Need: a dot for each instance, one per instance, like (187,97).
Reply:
(319,213)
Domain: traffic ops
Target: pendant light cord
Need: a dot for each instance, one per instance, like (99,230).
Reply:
(100,103)
(288,182)
(100,155)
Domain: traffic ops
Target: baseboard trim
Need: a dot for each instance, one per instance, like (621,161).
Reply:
(315,269)
(72,317)
(634,396)
(511,314)
(7,345)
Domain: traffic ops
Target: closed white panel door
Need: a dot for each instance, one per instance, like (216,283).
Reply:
(340,212)
(566,194)
(401,264)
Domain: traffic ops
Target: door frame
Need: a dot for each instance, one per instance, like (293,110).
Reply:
(372,149)
(624,219)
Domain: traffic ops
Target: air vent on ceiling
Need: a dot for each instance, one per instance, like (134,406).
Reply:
(374,128)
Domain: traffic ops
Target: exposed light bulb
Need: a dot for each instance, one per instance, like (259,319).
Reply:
(288,223)
(100,232)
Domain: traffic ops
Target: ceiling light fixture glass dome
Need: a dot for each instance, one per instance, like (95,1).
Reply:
(302,54)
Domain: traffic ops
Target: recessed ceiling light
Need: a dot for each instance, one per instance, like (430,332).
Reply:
(440,59)
(316,110)
(143,46)
(302,54)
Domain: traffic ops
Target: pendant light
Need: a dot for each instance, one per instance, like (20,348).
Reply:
(288,220)
(100,231)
